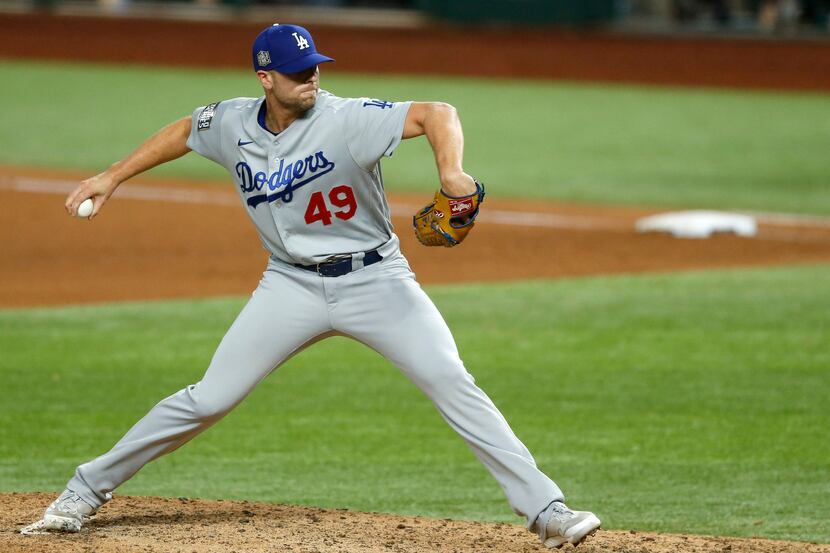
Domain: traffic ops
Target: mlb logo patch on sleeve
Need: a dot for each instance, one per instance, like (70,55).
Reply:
(206,116)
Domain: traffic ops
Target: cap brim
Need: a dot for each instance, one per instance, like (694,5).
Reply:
(303,63)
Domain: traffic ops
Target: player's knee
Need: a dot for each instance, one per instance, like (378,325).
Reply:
(209,411)
(206,405)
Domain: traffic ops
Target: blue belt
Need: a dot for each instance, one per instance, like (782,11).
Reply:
(342,266)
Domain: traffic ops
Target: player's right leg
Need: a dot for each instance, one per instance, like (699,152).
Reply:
(285,312)
(386,309)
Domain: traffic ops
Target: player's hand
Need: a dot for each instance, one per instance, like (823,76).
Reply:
(99,188)
(458,184)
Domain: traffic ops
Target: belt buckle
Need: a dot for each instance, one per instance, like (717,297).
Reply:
(334,262)
(321,268)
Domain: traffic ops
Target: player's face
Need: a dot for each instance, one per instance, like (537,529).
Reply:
(296,91)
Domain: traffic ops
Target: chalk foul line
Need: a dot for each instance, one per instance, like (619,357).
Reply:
(128,191)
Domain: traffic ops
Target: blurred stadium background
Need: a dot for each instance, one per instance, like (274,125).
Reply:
(787,17)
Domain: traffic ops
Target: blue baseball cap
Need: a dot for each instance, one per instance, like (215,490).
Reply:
(286,49)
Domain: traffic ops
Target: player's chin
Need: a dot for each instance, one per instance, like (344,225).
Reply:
(307,100)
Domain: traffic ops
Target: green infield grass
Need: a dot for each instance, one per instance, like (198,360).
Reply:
(693,402)
(590,143)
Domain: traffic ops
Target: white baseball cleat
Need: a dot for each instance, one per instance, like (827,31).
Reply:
(66,514)
(566,526)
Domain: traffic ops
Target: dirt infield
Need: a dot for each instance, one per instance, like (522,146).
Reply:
(136,249)
(165,525)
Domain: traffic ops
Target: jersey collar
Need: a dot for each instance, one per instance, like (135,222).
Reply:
(261,117)
(308,116)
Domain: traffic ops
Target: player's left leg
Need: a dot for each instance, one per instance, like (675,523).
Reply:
(384,307)
(285,313)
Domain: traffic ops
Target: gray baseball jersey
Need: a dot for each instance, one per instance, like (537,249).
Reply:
(314,190)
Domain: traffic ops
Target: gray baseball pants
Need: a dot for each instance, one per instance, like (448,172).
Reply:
(381,306)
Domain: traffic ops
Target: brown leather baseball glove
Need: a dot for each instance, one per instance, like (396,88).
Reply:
(447,220)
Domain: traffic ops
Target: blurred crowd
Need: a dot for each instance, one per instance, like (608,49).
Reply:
(764,15)
(392,4)
(771,16)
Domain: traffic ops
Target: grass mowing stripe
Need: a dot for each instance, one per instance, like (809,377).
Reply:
(687,403)
(610,144)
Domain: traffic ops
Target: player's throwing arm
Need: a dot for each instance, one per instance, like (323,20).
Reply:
(166,145)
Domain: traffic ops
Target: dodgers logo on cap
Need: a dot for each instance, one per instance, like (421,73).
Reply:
(286,49)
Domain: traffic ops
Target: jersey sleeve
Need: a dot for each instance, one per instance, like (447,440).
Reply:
(206,131)
(373,129)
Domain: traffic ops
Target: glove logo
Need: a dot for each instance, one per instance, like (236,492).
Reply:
(461,207)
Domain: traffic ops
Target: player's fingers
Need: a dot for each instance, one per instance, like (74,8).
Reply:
(70,198)
(97,204)
(76,204)
(76,197)
(89,188)
(73,202)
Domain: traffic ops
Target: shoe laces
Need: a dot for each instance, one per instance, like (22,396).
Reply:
(67,503)
(560,511)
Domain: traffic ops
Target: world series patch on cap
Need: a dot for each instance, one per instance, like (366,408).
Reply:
(286,49)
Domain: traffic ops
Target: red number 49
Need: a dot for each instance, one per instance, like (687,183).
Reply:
(340,196)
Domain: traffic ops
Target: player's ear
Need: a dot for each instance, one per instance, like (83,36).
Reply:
(265,80)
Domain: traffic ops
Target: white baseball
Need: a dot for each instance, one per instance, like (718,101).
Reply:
(85,209)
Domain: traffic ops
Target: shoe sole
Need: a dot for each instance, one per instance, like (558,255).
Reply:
(575,535)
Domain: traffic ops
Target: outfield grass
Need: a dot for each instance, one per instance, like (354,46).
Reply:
(688,403)
(610,144)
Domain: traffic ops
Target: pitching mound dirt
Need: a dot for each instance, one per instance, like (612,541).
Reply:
(151,524)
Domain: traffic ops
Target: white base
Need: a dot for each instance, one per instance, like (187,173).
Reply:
(699,224)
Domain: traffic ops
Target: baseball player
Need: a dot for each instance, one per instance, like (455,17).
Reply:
(306,165)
